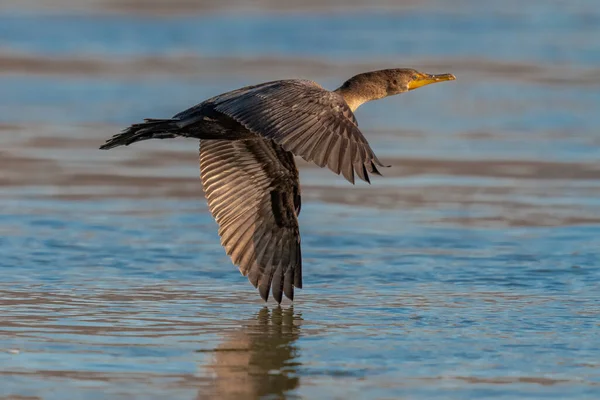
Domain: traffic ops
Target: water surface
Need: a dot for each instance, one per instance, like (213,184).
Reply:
(469,271)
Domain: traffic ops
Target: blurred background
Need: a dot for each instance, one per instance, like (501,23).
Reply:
(469,270)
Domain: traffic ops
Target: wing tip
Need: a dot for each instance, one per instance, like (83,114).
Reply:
(264,290)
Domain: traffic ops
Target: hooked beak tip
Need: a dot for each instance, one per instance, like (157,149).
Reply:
(444,77)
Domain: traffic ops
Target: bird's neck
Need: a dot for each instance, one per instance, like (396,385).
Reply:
(357,91)
(353,99)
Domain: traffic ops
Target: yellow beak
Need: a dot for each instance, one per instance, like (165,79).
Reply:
(426,79)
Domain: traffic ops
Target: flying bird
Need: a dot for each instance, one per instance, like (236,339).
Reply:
(248,140)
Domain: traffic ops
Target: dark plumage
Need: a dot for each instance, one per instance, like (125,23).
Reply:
(248,139)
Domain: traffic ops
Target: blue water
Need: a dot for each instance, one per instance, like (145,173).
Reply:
(469,271)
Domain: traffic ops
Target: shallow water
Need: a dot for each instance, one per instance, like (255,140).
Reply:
(469,271)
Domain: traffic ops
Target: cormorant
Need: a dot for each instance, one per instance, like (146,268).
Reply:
(248,140)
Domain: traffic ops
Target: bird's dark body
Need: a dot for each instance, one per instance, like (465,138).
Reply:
(212,124)
(248,140)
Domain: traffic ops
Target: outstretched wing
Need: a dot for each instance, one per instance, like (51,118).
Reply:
(253,192)
(307,120)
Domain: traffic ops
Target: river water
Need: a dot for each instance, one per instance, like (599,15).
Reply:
(469,271)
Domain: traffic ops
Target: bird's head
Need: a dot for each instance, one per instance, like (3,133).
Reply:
(404,79)
(387,82)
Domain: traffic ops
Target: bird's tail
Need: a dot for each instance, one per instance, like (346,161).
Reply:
(149,129)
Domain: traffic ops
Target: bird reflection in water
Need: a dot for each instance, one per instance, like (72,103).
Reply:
(257,360)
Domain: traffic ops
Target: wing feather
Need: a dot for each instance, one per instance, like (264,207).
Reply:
(301,116)
(253,192)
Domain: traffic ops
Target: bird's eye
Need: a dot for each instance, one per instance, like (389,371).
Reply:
(414,77)
(395,82)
